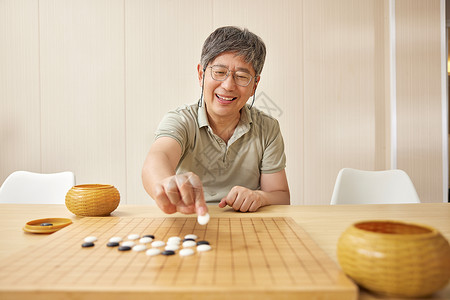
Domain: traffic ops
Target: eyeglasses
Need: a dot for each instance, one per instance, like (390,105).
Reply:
(221,73)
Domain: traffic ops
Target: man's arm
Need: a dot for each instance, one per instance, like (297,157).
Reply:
(274,190)
(172,193)
(160,163)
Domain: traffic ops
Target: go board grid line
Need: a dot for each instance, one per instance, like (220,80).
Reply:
(233,270)
(243,272)
(214,278)
(106,233)
(21,262)
(278,250)
(148,224)
(317,262)
(268,251)
(197,267)
(293,250)
(246,250)
(215,254)
(222,247)
(262,250)
(191,228)
(175,278)
(240,239)
(164,259)
(25,263)
(202,257)
(103,244)
(80,268)
(161,232)
(69,246)
(188,228)
(148,260)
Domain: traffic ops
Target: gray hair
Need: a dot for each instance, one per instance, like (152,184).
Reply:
(235,40)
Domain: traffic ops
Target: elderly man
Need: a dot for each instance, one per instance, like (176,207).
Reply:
(220,149)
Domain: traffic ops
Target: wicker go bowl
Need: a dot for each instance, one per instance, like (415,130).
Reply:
(92,199)
(395,258)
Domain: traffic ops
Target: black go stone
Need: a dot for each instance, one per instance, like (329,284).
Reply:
(168,252)
(124,248)
(112,244)
(202,243)
(87,244)
(150,236)
(46,224)
(188,240)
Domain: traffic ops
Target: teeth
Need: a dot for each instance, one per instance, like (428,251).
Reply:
(223,98)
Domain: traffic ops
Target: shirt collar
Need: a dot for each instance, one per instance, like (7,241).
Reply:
(202,117)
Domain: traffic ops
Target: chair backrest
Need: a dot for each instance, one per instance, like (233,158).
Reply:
(28,187)
(373,187)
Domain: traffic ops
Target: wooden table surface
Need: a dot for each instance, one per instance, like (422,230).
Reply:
(323,223)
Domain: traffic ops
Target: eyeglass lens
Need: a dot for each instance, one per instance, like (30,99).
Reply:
(221,73)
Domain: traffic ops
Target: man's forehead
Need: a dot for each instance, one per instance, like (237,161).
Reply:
(237,63)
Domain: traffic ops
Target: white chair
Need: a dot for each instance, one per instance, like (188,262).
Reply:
(27,187)
(373,187)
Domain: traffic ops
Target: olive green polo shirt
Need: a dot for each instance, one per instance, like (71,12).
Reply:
(256,147)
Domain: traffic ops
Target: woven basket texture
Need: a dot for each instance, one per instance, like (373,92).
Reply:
(395,258)
(92,199)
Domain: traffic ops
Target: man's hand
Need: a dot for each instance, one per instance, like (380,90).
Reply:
(243,199)
(182,193)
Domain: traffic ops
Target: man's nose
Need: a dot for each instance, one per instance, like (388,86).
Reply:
(229,83)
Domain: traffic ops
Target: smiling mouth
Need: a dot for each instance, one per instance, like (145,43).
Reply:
(225,99)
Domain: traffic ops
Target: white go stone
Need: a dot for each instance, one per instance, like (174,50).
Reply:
(134,236)
(157,244)
(145,240)
(173,242)
(174,239)
(172,247)
(191,236)
(90,239)
(115,239)
(186,252)
(188,244)
(129,244)
(153,252)
(202,248)
(139,248)
(203,220)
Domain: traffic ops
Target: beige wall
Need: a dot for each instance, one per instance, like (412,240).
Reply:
(83,85)
(419,97)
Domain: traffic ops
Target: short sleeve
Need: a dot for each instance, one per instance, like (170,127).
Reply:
(175,124)
(274,158)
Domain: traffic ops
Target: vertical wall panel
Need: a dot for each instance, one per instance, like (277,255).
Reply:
(163,47)
(84,84)
(82,88)
(341,77)
(280,91)
(19,87)
(419,105)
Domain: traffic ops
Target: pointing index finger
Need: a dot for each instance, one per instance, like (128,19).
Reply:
(200,204)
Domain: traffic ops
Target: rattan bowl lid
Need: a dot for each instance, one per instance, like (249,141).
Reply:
(36,226)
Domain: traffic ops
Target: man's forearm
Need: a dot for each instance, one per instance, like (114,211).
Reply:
(156,168)
(275,197)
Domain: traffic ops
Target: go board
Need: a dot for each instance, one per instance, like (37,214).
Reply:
(251,258)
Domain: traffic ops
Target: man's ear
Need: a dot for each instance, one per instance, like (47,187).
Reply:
(200,74)
(256,84)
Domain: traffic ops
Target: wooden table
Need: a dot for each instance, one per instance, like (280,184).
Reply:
(324,224)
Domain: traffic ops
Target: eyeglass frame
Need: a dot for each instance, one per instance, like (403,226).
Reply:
(228,74)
